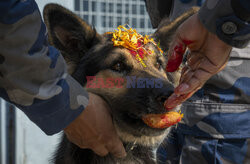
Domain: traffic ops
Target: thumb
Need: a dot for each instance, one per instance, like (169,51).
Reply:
(116,148)
(175,57)
(177,49)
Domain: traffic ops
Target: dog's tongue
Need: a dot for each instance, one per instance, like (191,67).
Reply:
(161,121)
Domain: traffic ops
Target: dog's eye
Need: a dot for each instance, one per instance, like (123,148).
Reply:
(158,65)
(119,67)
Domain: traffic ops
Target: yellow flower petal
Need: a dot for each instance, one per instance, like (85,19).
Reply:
(129,38)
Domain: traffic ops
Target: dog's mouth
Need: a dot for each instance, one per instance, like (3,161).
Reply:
(155,121)
(133,121)
(137,126)
(134,124)
(128,117)
(133,118)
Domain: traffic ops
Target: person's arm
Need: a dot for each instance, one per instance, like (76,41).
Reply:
(209,36)
(33,76)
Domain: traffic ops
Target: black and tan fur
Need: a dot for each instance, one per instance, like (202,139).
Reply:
(88,53)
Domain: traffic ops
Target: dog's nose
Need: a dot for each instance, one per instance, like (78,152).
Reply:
(162,94)
(161,99)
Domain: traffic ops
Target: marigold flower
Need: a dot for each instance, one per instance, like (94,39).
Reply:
(135,42)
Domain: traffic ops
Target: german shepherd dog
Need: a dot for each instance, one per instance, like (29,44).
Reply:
(88,53)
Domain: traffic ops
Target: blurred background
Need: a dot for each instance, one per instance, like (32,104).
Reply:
(21,141)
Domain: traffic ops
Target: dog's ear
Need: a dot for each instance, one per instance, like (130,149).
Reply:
(69,33)
(158,10)
(166,30)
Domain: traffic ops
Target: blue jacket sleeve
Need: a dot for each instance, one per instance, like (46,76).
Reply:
(228,19)
(33,75)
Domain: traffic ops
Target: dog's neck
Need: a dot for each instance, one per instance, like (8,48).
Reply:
(136,154)
(140,150)
(147,141)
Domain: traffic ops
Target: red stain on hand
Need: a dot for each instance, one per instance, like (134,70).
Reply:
(187,42)
(172,65)
(175,59)
(179,49)
(177,56)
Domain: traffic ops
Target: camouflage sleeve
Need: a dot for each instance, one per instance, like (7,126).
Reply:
(228,19)
(33,75)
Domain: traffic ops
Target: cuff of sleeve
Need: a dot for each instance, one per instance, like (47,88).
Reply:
(55,114)
(58,121)
(52,120)
(219,18)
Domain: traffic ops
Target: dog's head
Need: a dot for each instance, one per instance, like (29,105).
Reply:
(131,89)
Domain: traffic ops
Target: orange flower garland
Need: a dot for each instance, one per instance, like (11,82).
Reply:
(133,41)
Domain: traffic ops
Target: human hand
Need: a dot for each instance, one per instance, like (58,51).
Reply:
(208,55)
(94,129)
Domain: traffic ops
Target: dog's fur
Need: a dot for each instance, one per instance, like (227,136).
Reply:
(88,53)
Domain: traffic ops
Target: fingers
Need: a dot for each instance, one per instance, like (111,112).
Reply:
(108,144)
(176,54)
(112,145)
(94,129)
(208,56)
(102,146)
(100,149)
(116,148)
(175,100)
(196,75)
